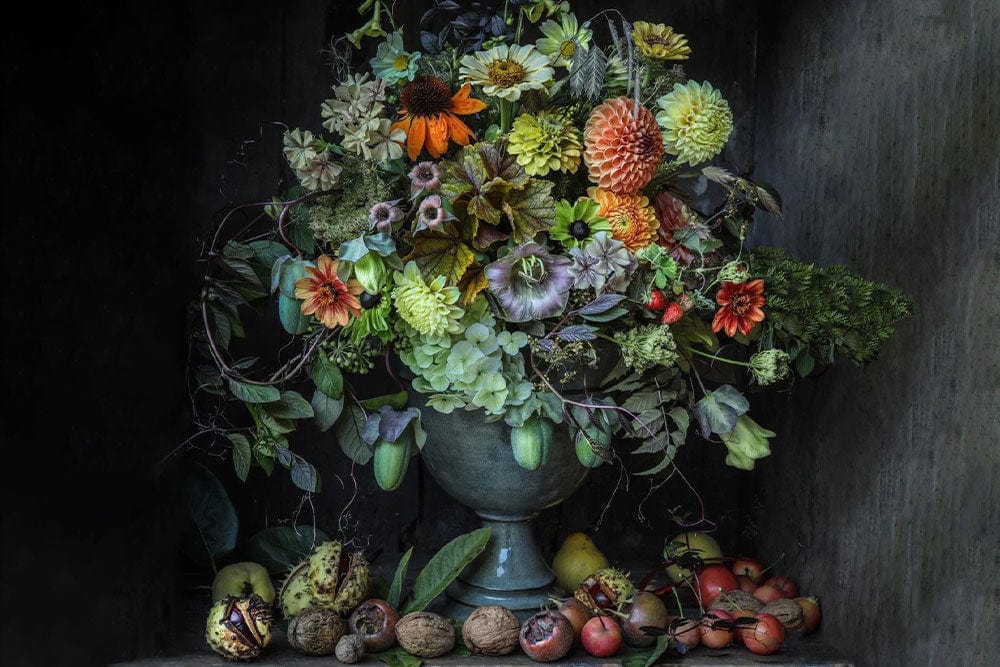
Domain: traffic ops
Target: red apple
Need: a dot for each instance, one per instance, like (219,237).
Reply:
(601,637)
(713,581)
(810,613)
(785,585)
(687,631)
(750,568)
(717,635)
(746,583)
(767,593)
(765,636)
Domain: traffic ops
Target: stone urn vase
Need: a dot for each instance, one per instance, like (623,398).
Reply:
(472,461)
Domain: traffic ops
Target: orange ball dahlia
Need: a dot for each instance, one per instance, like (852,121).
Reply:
(326,296)
(622,150)
(633,221)
(739,307)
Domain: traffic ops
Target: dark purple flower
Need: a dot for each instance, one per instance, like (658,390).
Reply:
(530,282)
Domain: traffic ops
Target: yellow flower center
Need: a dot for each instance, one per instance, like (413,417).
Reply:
(401,63)
(505,73)
(567,48)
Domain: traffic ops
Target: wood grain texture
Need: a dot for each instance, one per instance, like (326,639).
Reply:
(879,123)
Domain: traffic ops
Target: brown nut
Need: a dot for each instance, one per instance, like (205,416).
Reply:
(315,631)
(425,635)
(735,602)
(789,612)
(491,630)
(350,649)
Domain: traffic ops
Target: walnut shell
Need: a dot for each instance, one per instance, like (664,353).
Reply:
(315,631)
(735,601)
(425,635)
(350,649)
(789,612)
(491,630)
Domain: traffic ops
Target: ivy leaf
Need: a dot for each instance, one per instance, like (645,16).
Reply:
(444,566)
(441,253)
(252,393)
(396,588)
(472,283)
(380,243)
(348,429)
(531,210)
(353,250)
(717,411)
(241,454)
(326,409)
(290,405)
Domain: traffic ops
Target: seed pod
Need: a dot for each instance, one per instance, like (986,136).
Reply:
(315,631)
(350,649)
(337,580)
(239,628)
(390,462)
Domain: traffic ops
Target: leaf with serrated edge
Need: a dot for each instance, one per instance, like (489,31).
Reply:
(531,210)
(241,455)
(441,253)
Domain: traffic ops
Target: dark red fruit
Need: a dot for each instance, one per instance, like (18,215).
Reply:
(765,636)
(718,629)
(713,581)
(657,300)
(577,613)
(673,313)
(547,636)
(375,622)
(750,568)
(785,585)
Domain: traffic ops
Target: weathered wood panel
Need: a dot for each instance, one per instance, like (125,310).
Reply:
(879,124)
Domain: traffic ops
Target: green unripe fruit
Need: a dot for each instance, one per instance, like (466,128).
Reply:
(585,448)
(531,443)
(243,580)
(390,463)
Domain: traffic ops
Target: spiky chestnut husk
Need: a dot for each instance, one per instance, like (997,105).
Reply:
(337,580)
(605,589)
(239,628)
(295,596)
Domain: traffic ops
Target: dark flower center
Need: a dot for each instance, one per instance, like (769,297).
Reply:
(425,173)
(382,213)
(327,294)
(426,96)
(369,300)
(579,230)
(740,304)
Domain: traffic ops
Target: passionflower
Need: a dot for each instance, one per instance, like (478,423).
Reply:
(383,215)
(562,40)
(623,150)
(430,115)
(696,121)
(431,214)
(507,71)
(657,41)
(427,307)
(633,221)
(392,62)
(326,296)
(544,142)
(739,307)
(530,282)
(577,223)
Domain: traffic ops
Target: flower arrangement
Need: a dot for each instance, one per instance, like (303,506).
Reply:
(510,211)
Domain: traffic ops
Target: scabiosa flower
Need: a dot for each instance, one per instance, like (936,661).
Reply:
(577,223)
(383,215)
(632,219)
(428,308)
(647,346)
(562,40)
(740,307)
(430,115)
(673,214)
(696,121)
(431,215)
(657,41)
(769,366)
(392,62)
(544,142)
(507,71)
(530,282)
(425,176)
(623,150)
(326,296)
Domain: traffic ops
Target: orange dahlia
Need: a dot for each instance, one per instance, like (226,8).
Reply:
(326,296)
(633,221)
(740,307)
(622,150)
(430,115)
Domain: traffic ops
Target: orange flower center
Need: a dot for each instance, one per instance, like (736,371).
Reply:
(426,96)
(327,294)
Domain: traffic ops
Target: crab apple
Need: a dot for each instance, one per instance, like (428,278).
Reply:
(601,637)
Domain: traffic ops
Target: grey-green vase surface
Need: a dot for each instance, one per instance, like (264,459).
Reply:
(473,462)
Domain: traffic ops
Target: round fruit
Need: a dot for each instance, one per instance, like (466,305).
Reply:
(532,442)
(767,593)
(684,547)
(375,622)
(242,580)
(789,612)
(718,629)
(765,636)
(239,628)
(750,568)
(425,635)
(687,631)
(736,601)
(746,584)
(350,649)
(645,610)
(605,589)
(601,637)
(577,613)
(577,559)
(811,614)
(785,585)
(546,637)
(713,581)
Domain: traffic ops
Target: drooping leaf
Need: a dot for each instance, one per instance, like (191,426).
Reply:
(304,475)
(348,430)
(290,405)
(717,411)
(252,393)
(211,534)
(290,315)
(444,566)
(241,454)
(280,548)
(396,589)
(327,410)
(441,253)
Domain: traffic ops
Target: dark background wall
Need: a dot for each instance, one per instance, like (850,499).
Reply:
(126,126)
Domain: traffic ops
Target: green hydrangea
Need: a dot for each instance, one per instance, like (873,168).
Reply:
(648,346)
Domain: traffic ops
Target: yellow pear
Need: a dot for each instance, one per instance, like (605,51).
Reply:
(577,559)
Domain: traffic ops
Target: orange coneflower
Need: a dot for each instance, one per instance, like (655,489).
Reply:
(740,305)
(429,115)
(327,296)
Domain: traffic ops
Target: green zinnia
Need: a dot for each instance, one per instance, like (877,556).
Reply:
(428,308)
(544,142)
(696,121)
(577,223)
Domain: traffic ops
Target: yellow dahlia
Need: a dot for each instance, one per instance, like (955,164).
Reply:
(633,220)
(696,121)
(428,308)
(659,42)
(623,150)
(544,142)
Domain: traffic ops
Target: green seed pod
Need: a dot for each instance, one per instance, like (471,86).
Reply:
(390,462)
(586,441)
(531,442)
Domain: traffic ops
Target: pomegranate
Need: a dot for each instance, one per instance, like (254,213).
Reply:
(713,581)
(547,636)
(785,585)
(767,593)
(645,610)
(765,636)
(687,631)
(810,613)
(375,622)
(601,637)
(718,629)
(750,568)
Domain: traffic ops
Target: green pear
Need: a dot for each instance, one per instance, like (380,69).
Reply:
(241,580)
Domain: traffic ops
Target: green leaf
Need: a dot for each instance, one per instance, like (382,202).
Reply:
(718,410)
(353,250)
(241,454)
(252,393)
(441,253)
(397,657)
(242,269)
(444,566)
(648,658)
(291,405)
(222,327)
(531,210)
(348,430)
(327,376)
(299,232)
(304,475)
(397,400)
(396,589)
(280,548)
(326,409)
(213,527)
(290,314)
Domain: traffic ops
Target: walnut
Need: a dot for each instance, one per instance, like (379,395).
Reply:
(315,631)
(789,612)
(491,630)
(736,601)
(425,635)
(350,649)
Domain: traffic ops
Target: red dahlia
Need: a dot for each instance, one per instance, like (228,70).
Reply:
(740,307)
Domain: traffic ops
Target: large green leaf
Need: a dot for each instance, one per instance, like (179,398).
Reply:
(444,566)
(397,657)
(290,405)
(290,314)
(396,589)
(241,454)
(441,254)
(326,409)
(253,393)
(211,533)
(327,377)
(531,210)
(648,658)
(282,547)
(348,430)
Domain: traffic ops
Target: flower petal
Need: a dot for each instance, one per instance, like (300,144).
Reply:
(415,137)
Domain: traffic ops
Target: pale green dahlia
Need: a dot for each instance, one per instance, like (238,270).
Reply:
(428,308)
(696,121)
